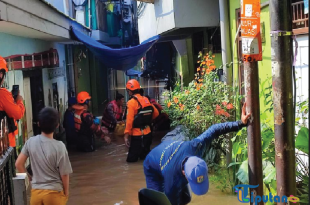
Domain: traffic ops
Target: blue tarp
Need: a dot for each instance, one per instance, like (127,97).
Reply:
(134,73)
(118,59)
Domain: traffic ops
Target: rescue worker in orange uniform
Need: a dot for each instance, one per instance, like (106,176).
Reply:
(140,113)
(86,125)
(10,108)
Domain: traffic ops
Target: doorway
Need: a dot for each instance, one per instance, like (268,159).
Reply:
(37,96)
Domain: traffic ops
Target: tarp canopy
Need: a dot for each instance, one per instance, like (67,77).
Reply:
(118,59)
(133,73)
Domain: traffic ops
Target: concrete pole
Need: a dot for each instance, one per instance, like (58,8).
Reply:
(226,58)
(254,134)
(281,59)
(225,40)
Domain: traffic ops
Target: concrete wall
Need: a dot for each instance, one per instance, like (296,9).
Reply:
(164,12)
(196,13)
(147,23)
(171,14)
(167,15)
(39,18)
(185,60)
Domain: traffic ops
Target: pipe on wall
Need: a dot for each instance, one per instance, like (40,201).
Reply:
(225,41)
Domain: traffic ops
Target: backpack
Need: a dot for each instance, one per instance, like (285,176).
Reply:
(145,114)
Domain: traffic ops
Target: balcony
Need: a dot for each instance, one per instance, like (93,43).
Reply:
(300,19)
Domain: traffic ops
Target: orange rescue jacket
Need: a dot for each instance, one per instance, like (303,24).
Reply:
(12,110)
(12,139)
(132,110)
(79,112)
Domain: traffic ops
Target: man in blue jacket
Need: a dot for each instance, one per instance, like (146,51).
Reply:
(172,165)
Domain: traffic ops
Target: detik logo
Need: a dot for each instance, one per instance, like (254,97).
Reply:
(242,195)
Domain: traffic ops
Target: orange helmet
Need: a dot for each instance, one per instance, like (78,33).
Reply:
(133,85)
(82,97)
(3,64)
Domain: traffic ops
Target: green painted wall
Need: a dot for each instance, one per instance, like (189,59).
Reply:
(93,83)
(93,79)
(185,64)
(217,59)
(82,70)
(264,65)
(182,67)
(190,54)
(101,86)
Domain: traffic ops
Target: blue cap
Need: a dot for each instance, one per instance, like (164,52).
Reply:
(196,172)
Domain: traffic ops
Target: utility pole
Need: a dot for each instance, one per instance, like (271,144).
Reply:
(252,53)
(226,59)
(251,79)
(281,59)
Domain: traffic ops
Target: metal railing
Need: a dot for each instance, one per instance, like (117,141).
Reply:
(7,170)
(300,19)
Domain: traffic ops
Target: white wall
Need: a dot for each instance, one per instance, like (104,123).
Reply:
(302,69)
(147,23)
(302,84)
(165,15)
(196,13)
(62,90)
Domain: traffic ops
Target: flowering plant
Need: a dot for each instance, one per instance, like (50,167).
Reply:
(204,102)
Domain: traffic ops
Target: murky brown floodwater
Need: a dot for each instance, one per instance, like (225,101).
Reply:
(105,178)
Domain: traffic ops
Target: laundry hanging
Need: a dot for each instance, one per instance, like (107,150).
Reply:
(118,59)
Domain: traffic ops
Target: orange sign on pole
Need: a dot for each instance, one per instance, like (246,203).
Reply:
(250,30)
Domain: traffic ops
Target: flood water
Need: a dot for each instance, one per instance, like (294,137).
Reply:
(105,178)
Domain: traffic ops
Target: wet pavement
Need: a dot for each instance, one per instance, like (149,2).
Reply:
(104,177)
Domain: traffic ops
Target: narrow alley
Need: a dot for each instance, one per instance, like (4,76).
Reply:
(104,177)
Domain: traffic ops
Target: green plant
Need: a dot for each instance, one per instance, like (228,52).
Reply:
(204,102)
(201,104)
(240,149)
(302,145)
(302,112)
(268,151)
(221,178)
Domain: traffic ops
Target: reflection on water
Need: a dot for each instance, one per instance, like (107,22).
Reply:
(104,178)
